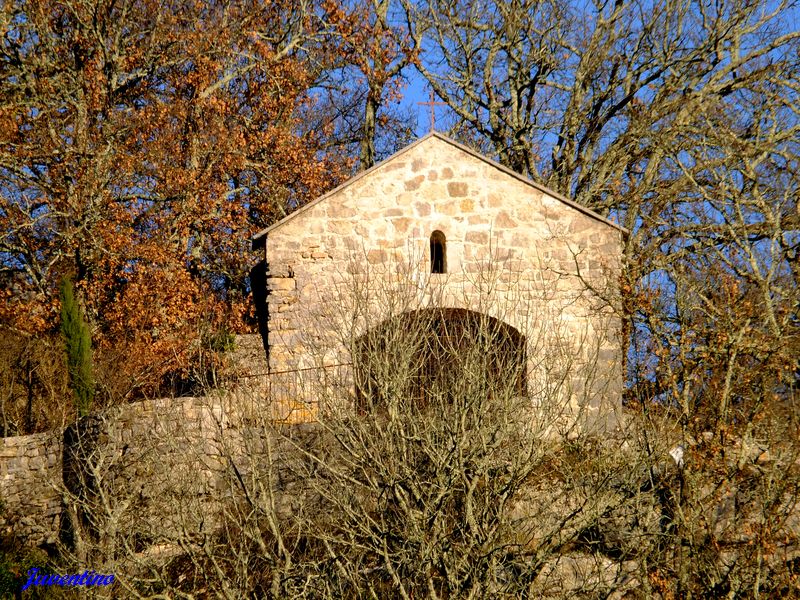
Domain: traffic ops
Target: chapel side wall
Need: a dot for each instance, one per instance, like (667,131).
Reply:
(379,226)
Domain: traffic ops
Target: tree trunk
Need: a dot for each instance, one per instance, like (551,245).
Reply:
(367,154)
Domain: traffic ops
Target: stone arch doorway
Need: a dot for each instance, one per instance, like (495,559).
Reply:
(438,354)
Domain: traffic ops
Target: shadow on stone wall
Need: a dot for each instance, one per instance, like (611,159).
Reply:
(258,285)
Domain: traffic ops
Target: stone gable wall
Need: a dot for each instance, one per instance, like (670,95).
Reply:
(541,255)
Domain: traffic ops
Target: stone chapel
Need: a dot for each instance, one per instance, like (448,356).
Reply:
(438,227)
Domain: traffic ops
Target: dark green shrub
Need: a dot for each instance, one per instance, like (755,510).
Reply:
(221,341)
(78,347)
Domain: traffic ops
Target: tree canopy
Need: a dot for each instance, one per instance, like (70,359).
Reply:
(144,141)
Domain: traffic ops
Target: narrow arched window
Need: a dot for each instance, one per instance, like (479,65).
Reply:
(438,252)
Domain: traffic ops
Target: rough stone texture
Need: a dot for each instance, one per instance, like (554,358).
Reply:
(30,476)
(166,465)
(514,252)
(153,454)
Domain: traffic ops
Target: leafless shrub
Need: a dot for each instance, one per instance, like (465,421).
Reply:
(450,460)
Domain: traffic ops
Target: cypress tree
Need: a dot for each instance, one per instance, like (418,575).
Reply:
(78,347)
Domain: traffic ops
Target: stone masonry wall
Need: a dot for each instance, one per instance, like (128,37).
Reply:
(30,476)
(514,252)
(151,454)
(152,449)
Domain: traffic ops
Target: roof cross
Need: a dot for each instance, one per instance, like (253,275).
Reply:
(432,105)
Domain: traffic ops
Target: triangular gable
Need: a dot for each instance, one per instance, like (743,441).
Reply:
(258,238)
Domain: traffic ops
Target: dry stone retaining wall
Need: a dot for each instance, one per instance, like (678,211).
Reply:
(30,476)
(165,464)
(149,453)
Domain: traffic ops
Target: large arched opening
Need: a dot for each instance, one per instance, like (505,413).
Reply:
(438,354)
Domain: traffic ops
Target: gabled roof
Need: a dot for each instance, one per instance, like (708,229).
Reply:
(258,238)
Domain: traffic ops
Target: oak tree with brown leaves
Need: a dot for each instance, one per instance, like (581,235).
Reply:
(142,144)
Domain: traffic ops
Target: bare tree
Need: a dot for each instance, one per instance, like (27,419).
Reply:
(679,120)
